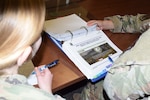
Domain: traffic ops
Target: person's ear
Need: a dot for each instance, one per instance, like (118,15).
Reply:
(24,56)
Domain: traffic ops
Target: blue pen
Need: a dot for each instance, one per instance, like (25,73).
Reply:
(110,59)
(55,62)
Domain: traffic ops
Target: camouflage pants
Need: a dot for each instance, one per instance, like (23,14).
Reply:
(92,92)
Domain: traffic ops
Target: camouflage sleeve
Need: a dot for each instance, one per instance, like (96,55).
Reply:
(16,87)
(130,23)
(129,76)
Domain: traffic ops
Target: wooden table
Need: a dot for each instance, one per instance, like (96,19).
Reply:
(66,73)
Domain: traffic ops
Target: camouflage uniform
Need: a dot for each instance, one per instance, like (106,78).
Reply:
(130,24)
(129,77)
(15,87)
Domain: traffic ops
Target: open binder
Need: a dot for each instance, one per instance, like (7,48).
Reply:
(89,49)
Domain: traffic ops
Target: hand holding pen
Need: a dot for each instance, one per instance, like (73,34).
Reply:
(55,62)
(44,76)
(44,79)
(32,79)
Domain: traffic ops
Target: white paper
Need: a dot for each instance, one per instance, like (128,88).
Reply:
(60,25)
(32,79)
(90,53)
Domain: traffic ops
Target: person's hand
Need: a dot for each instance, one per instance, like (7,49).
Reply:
(44,79)
(102,24)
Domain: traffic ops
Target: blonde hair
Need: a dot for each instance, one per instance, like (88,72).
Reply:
(21,23)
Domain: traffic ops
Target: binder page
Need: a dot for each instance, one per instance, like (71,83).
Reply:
(63,24)
(91,53)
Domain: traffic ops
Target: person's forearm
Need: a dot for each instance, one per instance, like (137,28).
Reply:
(128,23)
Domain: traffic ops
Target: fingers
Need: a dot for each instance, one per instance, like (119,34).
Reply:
(48,72)
(92,22)
(37,71)
(42,73)
(98,22)
(44,79)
